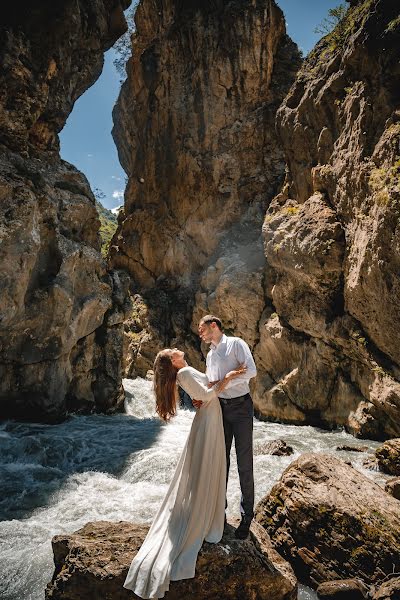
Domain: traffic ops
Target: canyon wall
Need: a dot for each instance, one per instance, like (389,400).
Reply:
(195,129)
(329,344)
(61,309)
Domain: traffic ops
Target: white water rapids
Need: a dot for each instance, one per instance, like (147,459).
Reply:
(56,478)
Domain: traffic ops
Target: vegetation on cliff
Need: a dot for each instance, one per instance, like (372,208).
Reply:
(108,220)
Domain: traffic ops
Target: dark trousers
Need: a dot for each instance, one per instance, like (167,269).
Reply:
(238,423)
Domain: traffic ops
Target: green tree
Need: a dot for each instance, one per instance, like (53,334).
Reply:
(108,221)
(334,19)
(123,46)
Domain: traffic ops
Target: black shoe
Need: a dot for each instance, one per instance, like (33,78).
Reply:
(243,530)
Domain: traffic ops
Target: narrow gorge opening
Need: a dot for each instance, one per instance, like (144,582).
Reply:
(86,139)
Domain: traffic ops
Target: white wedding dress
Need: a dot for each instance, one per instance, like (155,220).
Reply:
(193,509)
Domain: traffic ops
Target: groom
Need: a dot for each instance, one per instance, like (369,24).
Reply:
(227,353)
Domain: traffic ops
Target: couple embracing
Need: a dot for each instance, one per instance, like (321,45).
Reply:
(193,509)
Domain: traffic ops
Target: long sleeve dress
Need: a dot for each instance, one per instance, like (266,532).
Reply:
(193,508)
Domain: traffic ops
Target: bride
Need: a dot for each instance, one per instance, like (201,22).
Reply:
(193,509)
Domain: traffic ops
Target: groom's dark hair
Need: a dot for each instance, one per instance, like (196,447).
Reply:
(208,319)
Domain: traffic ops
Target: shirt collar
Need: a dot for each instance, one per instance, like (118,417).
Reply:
(221,341)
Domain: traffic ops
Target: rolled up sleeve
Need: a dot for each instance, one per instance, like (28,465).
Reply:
(243,356)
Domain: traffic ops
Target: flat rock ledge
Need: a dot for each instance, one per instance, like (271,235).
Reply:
(92,563)
(332,522)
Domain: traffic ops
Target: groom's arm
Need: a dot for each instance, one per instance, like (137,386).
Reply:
(244,357)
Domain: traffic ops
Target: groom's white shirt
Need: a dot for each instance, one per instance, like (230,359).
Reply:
(226,356)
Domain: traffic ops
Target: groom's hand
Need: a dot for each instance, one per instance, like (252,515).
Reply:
(197,403)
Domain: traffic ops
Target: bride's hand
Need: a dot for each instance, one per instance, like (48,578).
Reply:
(236,372)
(210,384)
(231,375)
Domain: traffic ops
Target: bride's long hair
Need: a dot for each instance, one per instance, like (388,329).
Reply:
(165,388)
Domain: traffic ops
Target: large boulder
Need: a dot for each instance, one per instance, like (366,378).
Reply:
(388,457)
(92,564)
(331,522)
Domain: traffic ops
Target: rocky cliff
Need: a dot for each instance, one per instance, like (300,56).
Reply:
(61,309)
(329,336)
(195,129)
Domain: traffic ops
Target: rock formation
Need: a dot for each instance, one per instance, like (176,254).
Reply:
(275,447)
(331,522)
(389,590)
(388,457)
(392,487)
(329,346)
(194,127)
(61,309)
(343,589)
(92,564)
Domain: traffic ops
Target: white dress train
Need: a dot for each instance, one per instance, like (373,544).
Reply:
(193,508)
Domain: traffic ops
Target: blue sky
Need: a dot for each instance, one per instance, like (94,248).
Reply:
(86,139)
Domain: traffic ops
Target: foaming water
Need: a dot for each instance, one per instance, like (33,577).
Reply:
(56,478)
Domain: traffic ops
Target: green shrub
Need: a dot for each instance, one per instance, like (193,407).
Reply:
(108,226)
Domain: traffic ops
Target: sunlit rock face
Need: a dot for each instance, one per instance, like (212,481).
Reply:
(332,523)
(195,130)
(61,308)
(329,337)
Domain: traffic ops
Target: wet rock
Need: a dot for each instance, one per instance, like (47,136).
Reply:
(349,448)
(388,457)
(370,462)
(276,448)
(92,564)
(342,589)
(331,522)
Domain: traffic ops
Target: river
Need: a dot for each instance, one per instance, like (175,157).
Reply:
(56,478)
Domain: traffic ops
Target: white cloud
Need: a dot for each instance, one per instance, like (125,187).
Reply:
(115,210)
(118,194)
(115,177)
(90,155)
